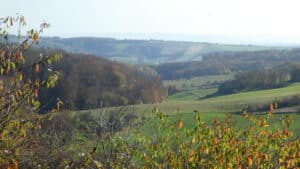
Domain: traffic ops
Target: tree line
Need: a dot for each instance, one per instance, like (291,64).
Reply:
(262,79)
(218,63)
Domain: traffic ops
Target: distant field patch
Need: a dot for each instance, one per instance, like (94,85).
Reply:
(203,82)
(191,94)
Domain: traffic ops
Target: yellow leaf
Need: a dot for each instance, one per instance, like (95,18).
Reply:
(98,164)
(35,37)
(193,140)
(179,124)
(191,157)
(1,85)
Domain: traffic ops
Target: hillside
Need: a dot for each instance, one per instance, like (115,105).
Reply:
(142,51)
(186,105)
(221,63)
(225,103)
(92,82)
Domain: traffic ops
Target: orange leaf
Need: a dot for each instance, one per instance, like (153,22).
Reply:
(249,161)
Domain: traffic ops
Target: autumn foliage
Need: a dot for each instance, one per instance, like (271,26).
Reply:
(32,140)
(220,144)
(90,82)
(18,93)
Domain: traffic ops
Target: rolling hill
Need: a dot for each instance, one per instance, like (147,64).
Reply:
(92,82)
(142,51)
(225,103)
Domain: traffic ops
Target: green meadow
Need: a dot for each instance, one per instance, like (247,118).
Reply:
(187,104)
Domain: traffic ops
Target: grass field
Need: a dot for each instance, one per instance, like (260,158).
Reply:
(226,103)
(239,122)
(196,83)
(182,106)
(191,94)
(195,88)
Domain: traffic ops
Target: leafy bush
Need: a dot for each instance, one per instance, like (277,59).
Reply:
(219,145)
(19,121)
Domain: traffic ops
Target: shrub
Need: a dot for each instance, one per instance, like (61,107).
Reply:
(19,120)
(216,145)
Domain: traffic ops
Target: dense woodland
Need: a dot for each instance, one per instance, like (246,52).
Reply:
(262,79)
(91,82)
(228,62)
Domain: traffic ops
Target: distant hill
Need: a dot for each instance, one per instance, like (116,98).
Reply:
(227,63)
(142,51)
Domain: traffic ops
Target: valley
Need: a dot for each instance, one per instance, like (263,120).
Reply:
(89,102)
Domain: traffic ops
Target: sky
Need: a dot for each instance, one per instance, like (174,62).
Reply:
(244,18)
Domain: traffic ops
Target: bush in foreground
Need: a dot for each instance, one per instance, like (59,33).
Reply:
(216,145)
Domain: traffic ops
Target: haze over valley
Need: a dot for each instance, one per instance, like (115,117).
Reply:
(149,84)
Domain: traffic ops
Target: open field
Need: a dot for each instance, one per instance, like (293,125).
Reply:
(203,82)
(238,121)
(217,107)
(191,94)
(226,103)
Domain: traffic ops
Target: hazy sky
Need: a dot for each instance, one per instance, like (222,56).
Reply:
(95,17)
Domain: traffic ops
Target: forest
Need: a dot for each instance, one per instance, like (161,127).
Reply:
(91,82)
(262,79)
